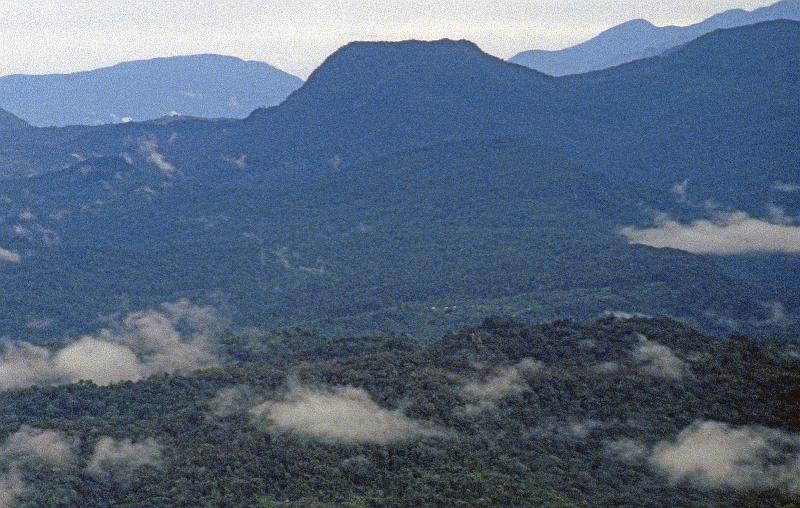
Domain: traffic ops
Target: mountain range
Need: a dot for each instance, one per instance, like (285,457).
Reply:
(207,86)
(407,178)
(428,277)
(637,39)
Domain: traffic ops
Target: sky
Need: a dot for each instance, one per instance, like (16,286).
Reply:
(47,36)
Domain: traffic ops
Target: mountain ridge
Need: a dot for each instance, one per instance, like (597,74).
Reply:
(640,38)
(204,85)
(9,121)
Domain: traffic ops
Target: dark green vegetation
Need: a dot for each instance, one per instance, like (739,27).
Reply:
(419,187)
(515,453)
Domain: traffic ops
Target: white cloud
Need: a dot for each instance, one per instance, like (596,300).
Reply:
(343,414)
(113,456)
(715,455)
(627,450)
(681,190)
(786,187)
(240,161)
(619,314)
(735,233)
(149,147)
(658,360)
(232,400)
(39,323)
(777,215)
(507,381)
(177,337)
(9,256)
(46,445)
(25,445)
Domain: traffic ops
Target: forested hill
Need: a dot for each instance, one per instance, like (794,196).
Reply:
(404,178)
(615,412)
(421,241)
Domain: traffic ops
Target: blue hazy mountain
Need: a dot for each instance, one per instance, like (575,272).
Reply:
(639,38)
(9,121)
(203,85)
(709,111)
(405,176)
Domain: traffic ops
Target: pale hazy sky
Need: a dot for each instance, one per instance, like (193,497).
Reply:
(43,36)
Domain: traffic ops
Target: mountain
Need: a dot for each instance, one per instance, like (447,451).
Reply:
(609,412)
(639,38)
(407,178)
(679,118)
(10,122)
(384,245)
(201,85)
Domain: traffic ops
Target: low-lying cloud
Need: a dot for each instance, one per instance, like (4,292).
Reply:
(149,147)
(232,400)
(735,233)
(508,381)
(715,455)
(342,414)
(627,450)
(239,162)
(658,360)
(681,190)
(786,187)
(27,445)
(9,256)
(45,445)
(177,337)
(113,456)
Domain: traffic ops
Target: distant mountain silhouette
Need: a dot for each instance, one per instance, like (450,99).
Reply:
(202,85)
(639,38)
(722,97)
(9,121)
(373,98)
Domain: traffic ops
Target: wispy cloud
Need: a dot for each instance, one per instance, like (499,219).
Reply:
(113,456)
(9,256)
(231,400)
(681,190)
(786,187)
(658,360)
(503,383)
(149,147)
(240,161)
(735,233)
(30,445)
